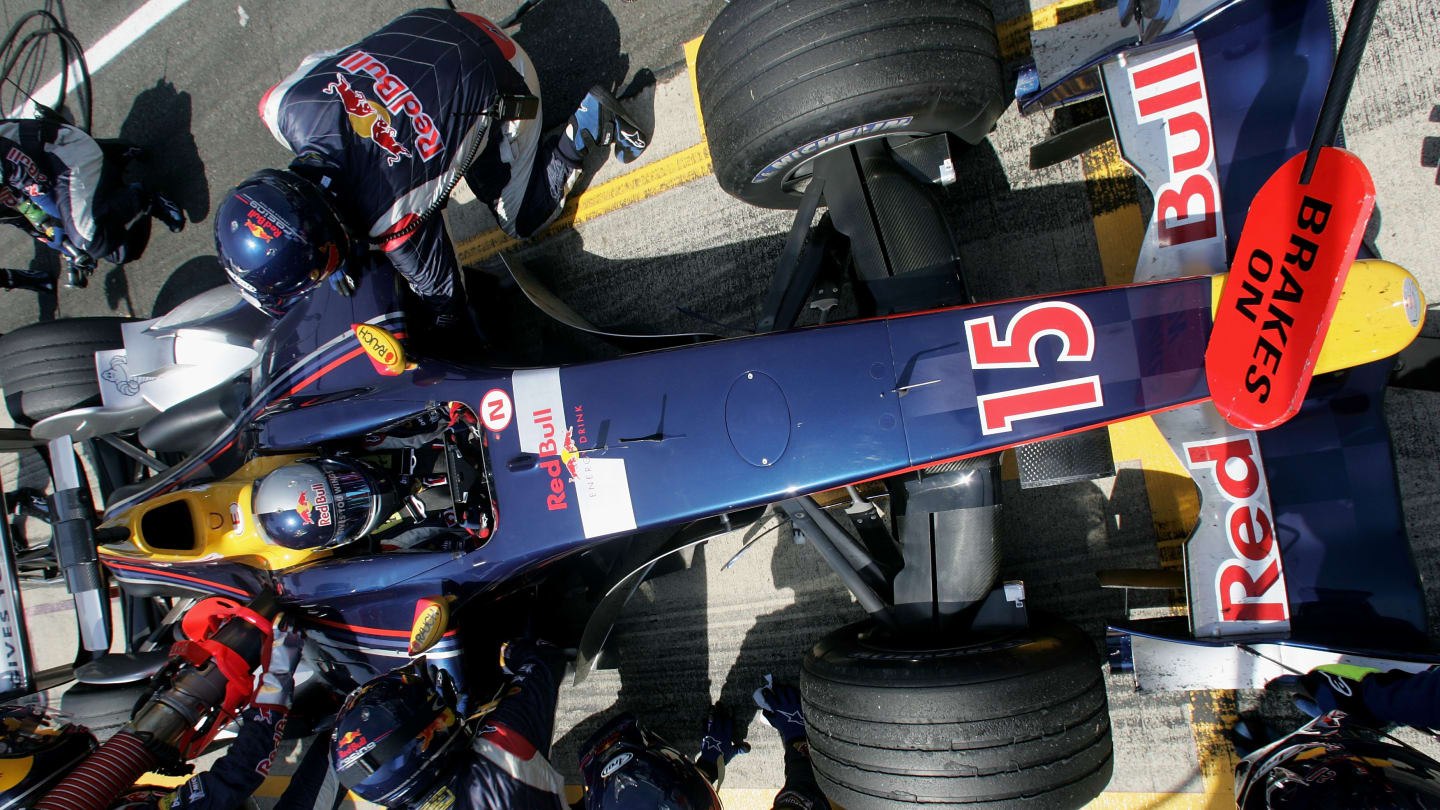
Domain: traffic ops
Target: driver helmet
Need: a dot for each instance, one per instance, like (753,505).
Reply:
(321,503)
(397,738)
(1331,764)
(37,748)
(626,767)
(278,236)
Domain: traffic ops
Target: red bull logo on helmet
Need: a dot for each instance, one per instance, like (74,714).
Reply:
(303,507)
(314,506)
(260,227)
(264,218)
(394,97)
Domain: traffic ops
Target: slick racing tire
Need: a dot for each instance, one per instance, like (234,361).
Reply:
(47,368)
(1014,720)
(782,81)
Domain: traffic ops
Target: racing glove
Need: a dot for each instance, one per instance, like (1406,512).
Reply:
(1374,698)
(1332,687)
(780,704)
(721,743)
(277,685)
(517,656)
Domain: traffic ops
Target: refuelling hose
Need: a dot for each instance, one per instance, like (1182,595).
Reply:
(207,680)
(105,774)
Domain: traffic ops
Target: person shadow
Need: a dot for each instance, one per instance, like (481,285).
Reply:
(159,122)
(47,262)
(660,652)
(778,641)
(574,44)
(1430,147)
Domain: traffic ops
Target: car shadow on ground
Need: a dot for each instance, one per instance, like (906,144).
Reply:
(721,289)
(648,652)
(189,280)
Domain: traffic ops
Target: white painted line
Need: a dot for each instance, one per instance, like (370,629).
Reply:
(100,54)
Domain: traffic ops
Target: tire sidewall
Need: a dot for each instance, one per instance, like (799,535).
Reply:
(860,655)
(763,182)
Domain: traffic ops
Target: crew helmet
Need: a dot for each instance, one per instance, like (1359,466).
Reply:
(278,236)
(397,737)
(1329,764)
(626,767)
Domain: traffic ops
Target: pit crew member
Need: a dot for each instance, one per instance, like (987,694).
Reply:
(382,130)
(1343,758)
(60,187)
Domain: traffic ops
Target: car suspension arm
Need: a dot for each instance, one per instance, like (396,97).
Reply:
(73,517)
(845,557)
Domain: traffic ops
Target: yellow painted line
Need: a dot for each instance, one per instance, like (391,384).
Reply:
(1151,801)
(694,163)
(1119,232)
(1212,714)
(1115,208)
(692,50)
(1014,33)
(275,786)
(646,181)
(157,780)
(1174,503)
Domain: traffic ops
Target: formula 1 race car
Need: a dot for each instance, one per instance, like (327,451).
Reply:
(386,496)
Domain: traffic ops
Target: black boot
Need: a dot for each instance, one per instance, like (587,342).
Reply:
(167,212)
(26,279)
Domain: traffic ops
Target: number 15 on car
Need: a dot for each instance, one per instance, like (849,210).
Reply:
(1018,348)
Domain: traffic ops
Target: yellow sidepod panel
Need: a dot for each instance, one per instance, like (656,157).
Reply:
(213,521)
(1379,313)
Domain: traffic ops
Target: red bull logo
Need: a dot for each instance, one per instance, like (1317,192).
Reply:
(569,453)
(394,97)
(16,156)
(303,507)
(442,722)
(262,217)
(260,226)
(314,507)
(367,119)
(352,743)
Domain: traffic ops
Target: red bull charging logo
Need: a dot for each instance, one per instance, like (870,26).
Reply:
(373,119)
(367,119)
(313,508)
(569,453)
